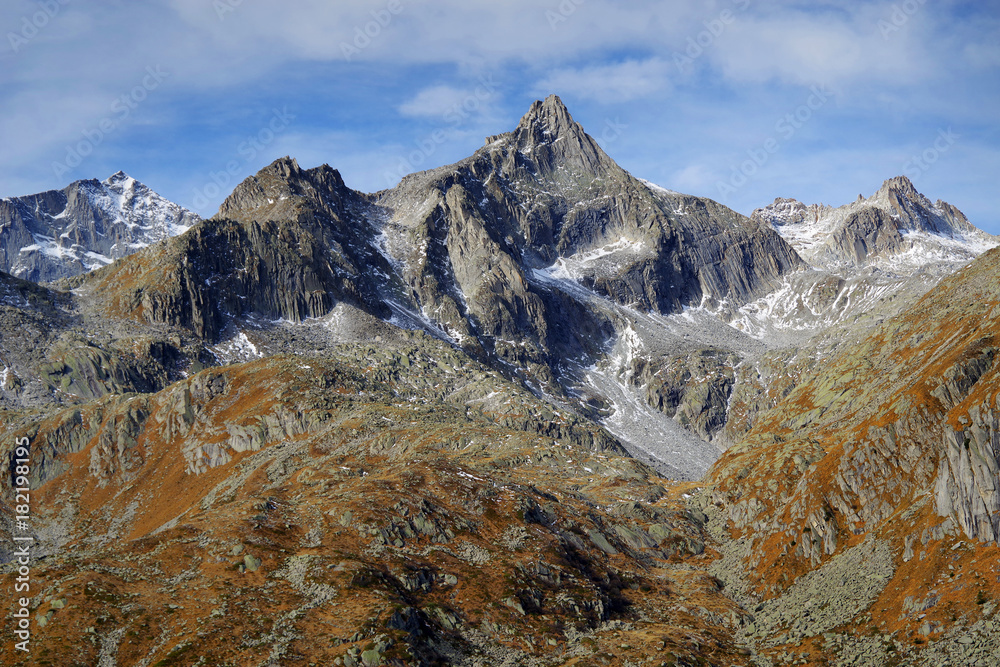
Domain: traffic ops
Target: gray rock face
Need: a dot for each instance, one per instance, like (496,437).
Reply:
(968,481)
(287,244)
(497,245)
(84,226)
(693,389)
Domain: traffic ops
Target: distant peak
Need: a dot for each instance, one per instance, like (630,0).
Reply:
(119,177)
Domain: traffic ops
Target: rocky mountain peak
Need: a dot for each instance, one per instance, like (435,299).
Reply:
(547,137)
(119,177)
(900,185)
(84,226)
(782,211)
(550,118)
(274,191)
(915,212)
(285,166)
(895,222)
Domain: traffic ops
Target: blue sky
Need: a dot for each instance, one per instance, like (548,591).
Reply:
(738,100)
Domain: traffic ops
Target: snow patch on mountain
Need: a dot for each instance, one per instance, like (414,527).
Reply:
(85,226)
(607,259)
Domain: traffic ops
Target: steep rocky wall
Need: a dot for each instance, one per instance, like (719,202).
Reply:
(907,413)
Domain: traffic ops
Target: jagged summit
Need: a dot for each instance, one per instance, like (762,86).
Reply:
(549,118)
(897,228)
(86,225)
(118,177)
(282,188)
(915,212)
(547,138)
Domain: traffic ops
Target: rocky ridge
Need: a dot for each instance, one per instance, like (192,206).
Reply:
(84,226)
(897,228)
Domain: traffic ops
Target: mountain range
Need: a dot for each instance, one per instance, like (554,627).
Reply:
(522,409)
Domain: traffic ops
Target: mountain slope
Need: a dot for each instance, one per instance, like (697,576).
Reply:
(347,508)
(84,226)
(891,441)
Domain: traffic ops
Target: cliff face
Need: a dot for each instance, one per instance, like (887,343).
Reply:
(287,244)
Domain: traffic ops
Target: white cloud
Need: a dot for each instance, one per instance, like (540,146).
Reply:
(444,31)
(436,101)
(841,50)
(619,82)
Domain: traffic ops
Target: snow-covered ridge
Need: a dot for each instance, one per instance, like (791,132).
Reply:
(85,226)
(873,255)
(897,229)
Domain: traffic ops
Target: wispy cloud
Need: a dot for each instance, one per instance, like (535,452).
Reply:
(619,82)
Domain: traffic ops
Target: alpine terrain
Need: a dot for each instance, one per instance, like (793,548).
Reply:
(525,409)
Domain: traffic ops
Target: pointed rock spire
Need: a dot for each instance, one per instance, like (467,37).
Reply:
(549,117)
(549,137)
(900,185)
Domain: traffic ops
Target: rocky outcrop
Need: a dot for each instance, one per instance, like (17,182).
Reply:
(866,233)
(968,481)
(693,389)
(84,226)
